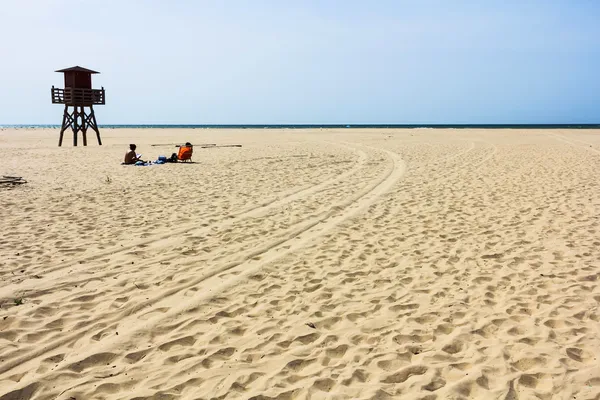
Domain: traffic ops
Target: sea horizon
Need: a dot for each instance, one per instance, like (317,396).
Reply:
(322,126)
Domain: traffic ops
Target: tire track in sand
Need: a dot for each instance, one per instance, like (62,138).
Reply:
(123,278)
(55,276)
(127,276)
(59,282)
(311,231)
(587,146)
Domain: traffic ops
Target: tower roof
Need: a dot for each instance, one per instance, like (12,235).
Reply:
(77,68)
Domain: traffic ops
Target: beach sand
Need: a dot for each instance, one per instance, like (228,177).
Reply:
(321,264)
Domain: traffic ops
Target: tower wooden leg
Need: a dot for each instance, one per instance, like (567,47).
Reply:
(75,125)
(92,124)
(63,126)
(83,126)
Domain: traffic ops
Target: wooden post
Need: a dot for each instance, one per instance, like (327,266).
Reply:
(94,124)
(83,126)
(63,126)
(75,126)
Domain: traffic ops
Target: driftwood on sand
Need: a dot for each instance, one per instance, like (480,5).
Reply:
(202,146)
(179,144)
(222,145)
(11,180)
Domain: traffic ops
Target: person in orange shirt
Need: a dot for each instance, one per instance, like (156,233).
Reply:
(185,152)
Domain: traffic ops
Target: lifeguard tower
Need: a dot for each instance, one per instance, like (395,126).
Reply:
(78,93)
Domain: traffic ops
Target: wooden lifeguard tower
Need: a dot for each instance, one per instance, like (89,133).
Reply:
(78,93)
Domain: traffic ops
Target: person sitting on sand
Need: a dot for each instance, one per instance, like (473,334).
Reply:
(131,156)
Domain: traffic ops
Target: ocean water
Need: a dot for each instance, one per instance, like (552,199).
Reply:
(338,126)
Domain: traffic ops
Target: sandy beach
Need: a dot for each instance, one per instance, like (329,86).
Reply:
(307,264)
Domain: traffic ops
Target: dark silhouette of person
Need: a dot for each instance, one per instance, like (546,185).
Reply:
(131,156)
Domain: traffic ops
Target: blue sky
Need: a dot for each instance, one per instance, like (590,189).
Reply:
(235,62)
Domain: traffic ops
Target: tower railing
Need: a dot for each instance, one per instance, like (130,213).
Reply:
(77,96)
